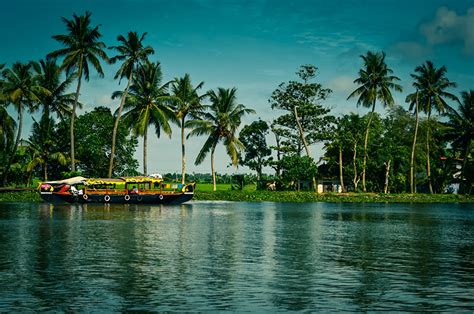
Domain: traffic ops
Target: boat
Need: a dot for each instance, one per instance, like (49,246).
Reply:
(123,190)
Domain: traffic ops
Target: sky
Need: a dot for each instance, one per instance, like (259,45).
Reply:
(253,46)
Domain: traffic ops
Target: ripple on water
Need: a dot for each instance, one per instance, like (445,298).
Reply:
(237,256)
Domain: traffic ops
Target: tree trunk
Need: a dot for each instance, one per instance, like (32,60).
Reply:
(17,143)
(355,180)
(183,152)
(300,129)
(387,175)
(73,115)
(116,125)
(45,171)
(341,175)
(364,164)
(428,166)
(303,139)
(144,151)
(412,162)
(212,168)
(277,139)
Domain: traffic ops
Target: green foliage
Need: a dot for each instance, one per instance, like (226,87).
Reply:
(304,99)
(295,168)
(257,152)
(94,144)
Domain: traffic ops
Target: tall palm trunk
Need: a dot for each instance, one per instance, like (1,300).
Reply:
(73,115)
(15,146)
(183,153)
(212,168)
(116,124)
(428,165)
(144,151)
(364,164)
(387,176)
(356,179)
(412,161)
(45,170)
(341,175)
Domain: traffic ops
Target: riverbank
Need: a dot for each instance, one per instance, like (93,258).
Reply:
(287,196)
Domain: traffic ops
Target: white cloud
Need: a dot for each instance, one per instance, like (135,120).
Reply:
(342,84)
(448,27)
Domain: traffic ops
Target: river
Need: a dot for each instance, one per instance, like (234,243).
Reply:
(212,256)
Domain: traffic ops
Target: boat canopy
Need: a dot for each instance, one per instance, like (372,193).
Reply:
(70,181)
(95,181)
(137,179)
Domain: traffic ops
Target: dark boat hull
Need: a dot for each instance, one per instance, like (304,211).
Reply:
(176,198)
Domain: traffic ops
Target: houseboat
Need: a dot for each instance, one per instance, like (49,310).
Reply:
(124,190)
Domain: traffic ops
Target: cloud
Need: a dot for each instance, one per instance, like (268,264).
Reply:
(448,27)
(343,84)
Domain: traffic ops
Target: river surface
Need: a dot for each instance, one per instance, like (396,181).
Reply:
(211,256)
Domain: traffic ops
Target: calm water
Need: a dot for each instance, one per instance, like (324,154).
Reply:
(237,256)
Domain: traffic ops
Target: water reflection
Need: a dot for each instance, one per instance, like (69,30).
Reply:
(236,256)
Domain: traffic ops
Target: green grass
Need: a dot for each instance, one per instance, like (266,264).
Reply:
(22,196)
(224,192)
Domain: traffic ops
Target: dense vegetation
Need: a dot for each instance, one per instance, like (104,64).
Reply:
(425,146)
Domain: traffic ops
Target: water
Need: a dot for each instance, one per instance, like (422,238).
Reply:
(206,256)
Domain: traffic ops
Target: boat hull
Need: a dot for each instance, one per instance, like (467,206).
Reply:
(176,198)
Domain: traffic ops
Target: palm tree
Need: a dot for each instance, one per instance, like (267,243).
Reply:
(82,48)
(41,146)
(431,84)
(132,53)
(188,102)
(49,77)
(375,83)
(21,89)
(148,104)
(461,126)
(220,123)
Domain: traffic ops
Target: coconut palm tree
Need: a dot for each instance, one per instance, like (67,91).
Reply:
(49,77)
(42,148)
(82,48)
(431,84)
(461,126)
(148,105)
(132,53)
(375,83)
(188,103)
(220,123)
(20,88)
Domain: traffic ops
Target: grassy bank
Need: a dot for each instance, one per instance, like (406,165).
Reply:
(20,196)
(249,194)
(289,196)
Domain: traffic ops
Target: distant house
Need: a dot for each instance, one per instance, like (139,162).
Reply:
(329,185)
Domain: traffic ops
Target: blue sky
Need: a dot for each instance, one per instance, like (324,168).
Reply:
(254,46)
